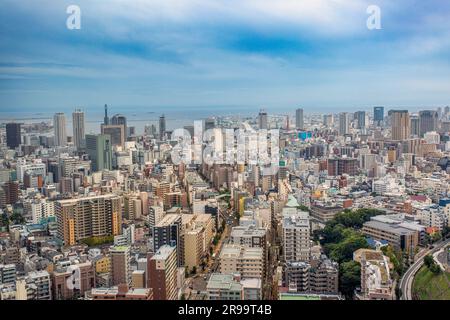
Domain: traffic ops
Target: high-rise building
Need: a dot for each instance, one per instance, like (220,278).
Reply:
(120,265)
(120,120)
(296,235)
(99,149)
(299,121)
(210,123)
(262,120)
(116,132)
(162,127)
(378,115)
(360,117)
(428,121)
(93,216)
(344,123)
(168,232)
(59,124)
(162,273)
(415,125)
(340,166)
(13,137)
(401,125)
(78,128)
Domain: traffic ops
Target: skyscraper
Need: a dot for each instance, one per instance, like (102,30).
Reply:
(13,138)
(401,124)
(116,132)
(415,125)
(78,128)
(119,119)
(378,115)
(344,123)
(428,121)
(299,122)
(99,149)
(162,127)
(59,124)
(360,117)
(106,119)
(262,120)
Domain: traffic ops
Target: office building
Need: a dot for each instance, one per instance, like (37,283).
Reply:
(99,149)
(428,121)
(162,127)
(415,125)
(13,137)
(360,117)
(378,115)
(116,132)
(400,124)
(262,120)
(78,128)
(344,123)
(120,120)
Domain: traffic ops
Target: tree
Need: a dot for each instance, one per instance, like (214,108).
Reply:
(349,278)
(194,270)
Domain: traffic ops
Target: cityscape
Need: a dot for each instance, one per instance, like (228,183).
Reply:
(357,207)
(210,150)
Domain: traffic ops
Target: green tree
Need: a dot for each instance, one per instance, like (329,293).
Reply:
(349,278)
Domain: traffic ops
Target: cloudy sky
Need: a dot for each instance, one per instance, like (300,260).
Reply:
(277,53)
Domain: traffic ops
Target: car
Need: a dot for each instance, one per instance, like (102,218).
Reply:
(205,277)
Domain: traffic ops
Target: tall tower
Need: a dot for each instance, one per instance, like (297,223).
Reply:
(78,128)
(344,123)
(59,124)
(401,124)
(13,138)
(99,149)
(162,127)
(262,120)
(428,121)
(120,120)
(299,122)
(360,117)
(378,115)
(106,119)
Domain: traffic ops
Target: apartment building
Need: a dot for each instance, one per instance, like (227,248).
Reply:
(296,235)
(246,261)
(82,218)
(162,273)
(223,287)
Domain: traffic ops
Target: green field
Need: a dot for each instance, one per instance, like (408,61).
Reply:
(428,286)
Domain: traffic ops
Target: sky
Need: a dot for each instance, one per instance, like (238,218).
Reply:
(217,53)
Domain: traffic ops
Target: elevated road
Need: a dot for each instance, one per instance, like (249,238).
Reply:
(406,283)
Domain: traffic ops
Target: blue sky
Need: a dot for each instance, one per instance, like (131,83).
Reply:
(278,53)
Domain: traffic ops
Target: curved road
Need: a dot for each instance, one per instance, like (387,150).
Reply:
(407,280)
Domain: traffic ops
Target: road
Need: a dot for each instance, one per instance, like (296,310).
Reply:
(407,280)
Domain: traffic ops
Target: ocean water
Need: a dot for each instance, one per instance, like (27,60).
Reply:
(139,117)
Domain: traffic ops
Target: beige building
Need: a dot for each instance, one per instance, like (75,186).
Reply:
(82,218)
(247,261)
